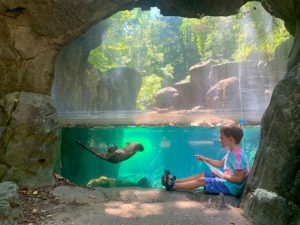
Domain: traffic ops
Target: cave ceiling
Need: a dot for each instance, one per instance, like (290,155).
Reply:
(66,19)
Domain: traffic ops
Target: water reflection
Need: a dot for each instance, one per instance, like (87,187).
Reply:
(208,118)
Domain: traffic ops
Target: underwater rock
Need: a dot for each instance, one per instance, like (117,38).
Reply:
(104,181)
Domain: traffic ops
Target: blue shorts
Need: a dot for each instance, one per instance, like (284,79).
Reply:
(215,185)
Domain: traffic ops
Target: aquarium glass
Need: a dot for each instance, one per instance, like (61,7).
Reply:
(165,147)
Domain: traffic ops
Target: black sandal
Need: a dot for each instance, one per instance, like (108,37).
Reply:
(165,180)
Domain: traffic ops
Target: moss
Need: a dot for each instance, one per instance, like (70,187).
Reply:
(295,214)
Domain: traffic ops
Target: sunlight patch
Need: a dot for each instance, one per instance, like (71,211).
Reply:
(132,210)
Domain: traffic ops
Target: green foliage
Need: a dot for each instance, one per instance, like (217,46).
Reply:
(151,84)
(169,46)
(261,32)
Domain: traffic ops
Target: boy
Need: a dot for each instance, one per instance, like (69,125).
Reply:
(234,163)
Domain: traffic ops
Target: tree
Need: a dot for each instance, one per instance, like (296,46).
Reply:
(166,47)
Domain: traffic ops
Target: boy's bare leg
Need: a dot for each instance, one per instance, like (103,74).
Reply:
(190,178)
(189,185)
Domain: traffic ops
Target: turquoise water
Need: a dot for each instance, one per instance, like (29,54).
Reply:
(165,147)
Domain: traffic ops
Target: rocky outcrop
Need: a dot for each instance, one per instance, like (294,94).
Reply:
(80,87)
(72,89)
(167,98)
(277,163)
(10,206)
(119,89)
(223,96)
(253,86)
(233,86)
(200,79)
(272,204)
(28,139)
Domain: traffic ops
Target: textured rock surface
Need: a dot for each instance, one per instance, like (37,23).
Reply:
(29,138)
(268,200)
(167,98)
(89,89)
(231,86)
(200,79)
(121,87)
(277,163)
(10,207)
(222,96)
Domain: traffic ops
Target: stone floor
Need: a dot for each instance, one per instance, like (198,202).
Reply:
(136,206)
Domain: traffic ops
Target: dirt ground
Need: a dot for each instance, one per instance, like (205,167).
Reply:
(63,204)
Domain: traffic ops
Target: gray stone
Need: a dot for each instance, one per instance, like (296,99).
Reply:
(220,201)
(223,96)
(28,139)
(267,208)
(167,98)
(277,161)
(10,207)
(200,80)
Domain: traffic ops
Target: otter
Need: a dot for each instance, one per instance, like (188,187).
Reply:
(115,155)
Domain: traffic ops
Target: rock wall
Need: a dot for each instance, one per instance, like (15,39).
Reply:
(79,87)
(232,86)
(10,205)
(29,131)
(32,34)
(276,168)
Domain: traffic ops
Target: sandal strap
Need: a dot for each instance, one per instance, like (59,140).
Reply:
(170,186)
(165,177)
(167,172)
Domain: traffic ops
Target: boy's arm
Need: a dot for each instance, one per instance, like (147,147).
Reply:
(239,176)
(216,163)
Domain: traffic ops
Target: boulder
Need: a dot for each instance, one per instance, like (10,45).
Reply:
(167,98)
(28,139)
(187,94)
(268,208)
(10,206)
(277,162)
(200,79)
(223,96)
(119,88)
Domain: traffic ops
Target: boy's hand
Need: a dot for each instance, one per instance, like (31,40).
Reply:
(199,157)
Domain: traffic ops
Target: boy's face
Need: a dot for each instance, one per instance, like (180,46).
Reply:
(226,142)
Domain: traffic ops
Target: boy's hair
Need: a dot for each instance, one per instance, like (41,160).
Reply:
(233,130)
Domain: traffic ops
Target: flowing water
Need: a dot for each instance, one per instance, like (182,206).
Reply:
(166,147)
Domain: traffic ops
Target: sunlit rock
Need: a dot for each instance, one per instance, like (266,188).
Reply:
(121,86)
(187,94)
(167,98)
(200,79)
(223,96)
